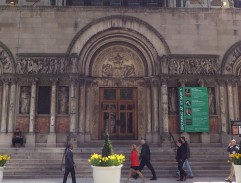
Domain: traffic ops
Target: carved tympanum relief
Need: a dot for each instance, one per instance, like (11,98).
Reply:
(118,61)
(189,65)
(41,65)
(5,63)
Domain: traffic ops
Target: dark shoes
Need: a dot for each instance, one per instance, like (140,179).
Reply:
(190,177)
(228,180)
(179,179)
(153,178)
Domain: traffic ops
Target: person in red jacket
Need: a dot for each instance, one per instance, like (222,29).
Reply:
(134,164)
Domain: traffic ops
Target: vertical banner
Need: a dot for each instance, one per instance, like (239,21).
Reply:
(193,109)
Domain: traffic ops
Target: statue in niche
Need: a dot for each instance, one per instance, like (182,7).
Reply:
(24,100)
(172,101)
(211,101)
(63,100)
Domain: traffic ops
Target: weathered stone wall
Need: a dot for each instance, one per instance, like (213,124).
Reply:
(51,29)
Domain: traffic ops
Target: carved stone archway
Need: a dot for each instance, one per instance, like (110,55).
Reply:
(6,60)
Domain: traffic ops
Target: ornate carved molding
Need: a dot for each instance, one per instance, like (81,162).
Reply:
(41,64)
(231,64)
(118,61)
(190,64)
(6,60)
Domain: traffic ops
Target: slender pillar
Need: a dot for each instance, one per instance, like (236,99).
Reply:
(230,101)
(73,103)
(32,107)
(12,104)
(82,112)
(155,110)
(148,111)
(4,107)
(87,112)
(164,100)
(236,101)
(53,108)
(30,137)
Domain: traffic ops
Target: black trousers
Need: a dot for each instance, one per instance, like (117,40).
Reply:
(17,141)
(66,173)
(148,164)
(180,168)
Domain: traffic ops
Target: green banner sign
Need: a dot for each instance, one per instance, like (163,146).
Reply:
(193,109)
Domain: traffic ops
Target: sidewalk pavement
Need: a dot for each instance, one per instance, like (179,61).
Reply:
(85,180)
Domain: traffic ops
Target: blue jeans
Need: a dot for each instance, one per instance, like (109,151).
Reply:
(186,163)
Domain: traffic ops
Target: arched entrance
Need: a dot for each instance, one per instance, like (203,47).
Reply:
(119,57)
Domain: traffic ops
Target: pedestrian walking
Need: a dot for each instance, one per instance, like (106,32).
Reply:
(180,158)
(134,164)
(145,158)
(232,148)
(69,164)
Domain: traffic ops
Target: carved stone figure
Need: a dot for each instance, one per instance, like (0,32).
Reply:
(63,100)
(172,101)
(24,100)
(211,101)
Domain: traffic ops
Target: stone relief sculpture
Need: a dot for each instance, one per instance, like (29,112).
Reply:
(41,65)
(117,68)
(231,65)
(190,65)
(74,63)
(211,101)
(24,100)
(172,100)
(63,100)
(5,62)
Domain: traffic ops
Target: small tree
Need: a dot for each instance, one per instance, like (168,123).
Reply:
(107,147)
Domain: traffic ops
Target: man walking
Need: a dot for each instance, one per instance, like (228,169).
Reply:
(186,163)
(69,164)
(145,158)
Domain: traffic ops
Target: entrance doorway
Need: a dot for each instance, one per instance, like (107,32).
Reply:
(118,113)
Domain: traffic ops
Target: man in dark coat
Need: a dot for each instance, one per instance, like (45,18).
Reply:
(145,158)
(180,158)
(17,138)
(69,164)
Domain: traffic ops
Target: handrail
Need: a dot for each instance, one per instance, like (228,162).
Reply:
(173,141)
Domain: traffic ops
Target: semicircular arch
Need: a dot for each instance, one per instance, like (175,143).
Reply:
(231,62)
(6,60)
(117,29)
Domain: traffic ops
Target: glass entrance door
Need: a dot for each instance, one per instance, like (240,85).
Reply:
(118,112)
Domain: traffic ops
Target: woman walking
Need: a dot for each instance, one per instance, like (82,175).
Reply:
(134,164)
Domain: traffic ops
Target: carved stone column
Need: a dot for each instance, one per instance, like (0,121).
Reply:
(88,106)
(4,106)
(148,111)
(30,137)
(51,140)
(223,111)
(230,100)
(155,111)
(73,109)
(73,102)
(12,104)
(82,112)
(32,107)
(236,101)
(164,115)
(5,138)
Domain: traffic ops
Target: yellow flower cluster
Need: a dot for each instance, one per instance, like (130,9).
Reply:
(235,158)
(3,159)
(112,160)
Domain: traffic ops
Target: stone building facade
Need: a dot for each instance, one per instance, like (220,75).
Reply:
(82,70)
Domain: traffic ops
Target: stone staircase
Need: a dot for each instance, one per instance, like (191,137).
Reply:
(42,162)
